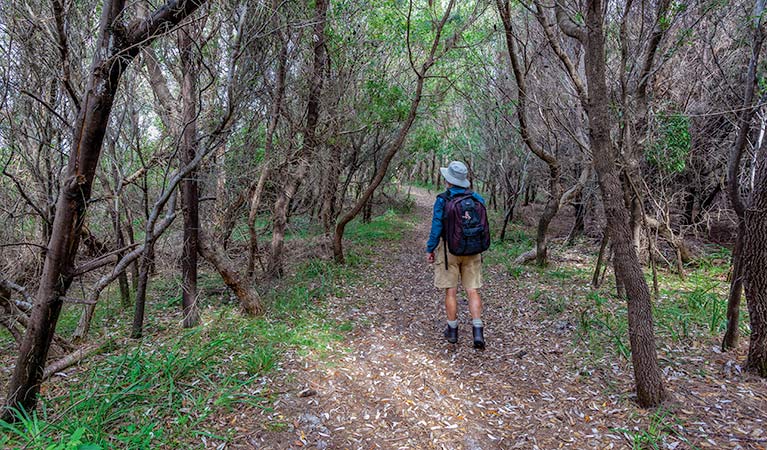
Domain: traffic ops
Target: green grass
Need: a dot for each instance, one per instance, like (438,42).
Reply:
(654,434)
(693,309)
(387,227)
(171,389)
(517,241)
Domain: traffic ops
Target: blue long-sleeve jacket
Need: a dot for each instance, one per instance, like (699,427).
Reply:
(436,219)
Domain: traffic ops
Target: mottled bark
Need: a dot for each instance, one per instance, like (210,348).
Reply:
(249,299)
(755,268)
(649,383)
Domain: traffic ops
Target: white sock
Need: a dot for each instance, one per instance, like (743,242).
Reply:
(477,323)
(452,323)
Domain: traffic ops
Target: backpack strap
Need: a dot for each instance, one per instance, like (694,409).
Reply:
(445,196)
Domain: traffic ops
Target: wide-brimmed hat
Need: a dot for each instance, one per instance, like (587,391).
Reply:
(456,174)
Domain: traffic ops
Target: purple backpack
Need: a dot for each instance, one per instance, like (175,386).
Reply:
(465,229)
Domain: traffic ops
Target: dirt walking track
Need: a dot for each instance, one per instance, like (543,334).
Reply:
(395,383)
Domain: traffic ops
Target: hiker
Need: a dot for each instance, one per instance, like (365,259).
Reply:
(460,221)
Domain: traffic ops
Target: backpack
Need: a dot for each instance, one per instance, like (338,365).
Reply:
(465,229)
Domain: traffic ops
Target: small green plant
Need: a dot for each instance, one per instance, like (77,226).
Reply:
(669,150)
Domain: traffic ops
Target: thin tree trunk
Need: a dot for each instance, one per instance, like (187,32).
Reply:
(578,225)
(649,383)
(555,185)
(249,299)
(189,186)
(399,141)
(282,205)
(602,246)
(732,334)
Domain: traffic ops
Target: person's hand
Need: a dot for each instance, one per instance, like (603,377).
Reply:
(430,257)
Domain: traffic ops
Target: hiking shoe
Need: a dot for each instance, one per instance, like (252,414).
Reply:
(451,334)
(479,338)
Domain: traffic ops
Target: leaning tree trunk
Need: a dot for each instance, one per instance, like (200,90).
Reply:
(649,384)
(754,261)
(111,58)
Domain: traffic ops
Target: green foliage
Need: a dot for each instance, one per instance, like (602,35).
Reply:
(388,102)
(670,149)
(601,326)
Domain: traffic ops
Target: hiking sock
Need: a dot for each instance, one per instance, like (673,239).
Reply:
(477,323)
(452,323)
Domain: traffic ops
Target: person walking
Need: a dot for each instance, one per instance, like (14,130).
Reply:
(459,225)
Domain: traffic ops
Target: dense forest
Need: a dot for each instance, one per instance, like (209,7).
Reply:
(201,203)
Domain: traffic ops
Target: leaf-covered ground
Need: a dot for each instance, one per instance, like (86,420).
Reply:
(353,357)
(554,375)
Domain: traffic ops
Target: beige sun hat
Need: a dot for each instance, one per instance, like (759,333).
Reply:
(456,174)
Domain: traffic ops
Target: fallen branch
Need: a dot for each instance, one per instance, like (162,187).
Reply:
(527,257)
(73,358)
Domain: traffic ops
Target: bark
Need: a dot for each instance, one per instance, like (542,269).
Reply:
(282,205)
(73,358)
(733,170)
(649,384)
(732,333)
(123,264)
(189,186)
(111,58)
(755,268)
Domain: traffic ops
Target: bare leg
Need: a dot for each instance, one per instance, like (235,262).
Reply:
(451,303)
(475,304)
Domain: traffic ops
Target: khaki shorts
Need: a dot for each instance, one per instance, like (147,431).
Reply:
(469,268)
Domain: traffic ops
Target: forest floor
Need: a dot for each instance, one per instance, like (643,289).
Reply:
(554,375)
(354,357)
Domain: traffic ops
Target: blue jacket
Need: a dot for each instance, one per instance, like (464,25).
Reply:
(439,211)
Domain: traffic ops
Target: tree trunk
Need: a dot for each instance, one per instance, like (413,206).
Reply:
(595,280)
(399,141)
(733,170)
(580,214)
(110,60)
(189,186)
(755,267)
(137,330)
(732,334)
(649,384)
(282,205)
(248,298)
(555,185)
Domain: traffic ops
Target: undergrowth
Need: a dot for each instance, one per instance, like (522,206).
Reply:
(172,389)
(686,311)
